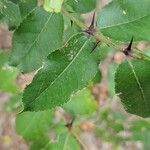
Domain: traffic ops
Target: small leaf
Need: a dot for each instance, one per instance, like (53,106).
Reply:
(141,132)
(81,103)
(38,35)
(64,142)
(53,5)
(104,50)
(33,125)
(71,28)
(3,58)
(66,71)
(111,75)
(122,20)
(14,1)
(26,6)
(132,81)
(9,14)
(42,143)
(8,79)
(82,6)
(13,103)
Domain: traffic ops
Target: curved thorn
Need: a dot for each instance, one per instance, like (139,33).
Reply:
(93,21)
(130,44)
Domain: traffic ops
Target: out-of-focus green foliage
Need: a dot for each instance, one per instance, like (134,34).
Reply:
(53,40)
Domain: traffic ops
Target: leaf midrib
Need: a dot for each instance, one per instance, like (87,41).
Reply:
(62,71)
(36,116)
(124,23)
(139,85)
(36,39)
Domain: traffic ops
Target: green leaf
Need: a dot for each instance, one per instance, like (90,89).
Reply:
(3,58)
(66,71)
(13,103)
(14,1)
(82,6)
(81,103)
(140,130)
(53,5)
(104,50)
(8,79)
(39,34)
(40,144)
(33,125)
(9,14)
(111,77)
(70,31)
(96,79)
(132,81)
(65,141)
(122,20)
(70,28)
(26,6)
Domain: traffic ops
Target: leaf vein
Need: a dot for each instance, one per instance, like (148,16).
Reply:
(139,84)
(119,24)
(62,71)
(36,39)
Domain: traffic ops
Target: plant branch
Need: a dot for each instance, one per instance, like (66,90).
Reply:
(138,54)
(79,140)
(66,141)
(74,19)
(98,34)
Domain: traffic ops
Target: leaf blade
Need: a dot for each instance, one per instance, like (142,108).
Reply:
(42,35)
(26,6)
(10,14)
(125,19)
(66,71)
(134,94)
(82,6)
(32,125)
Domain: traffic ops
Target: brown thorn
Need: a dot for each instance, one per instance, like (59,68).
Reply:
(128,50)
(71,22)
(91,29)
(95,45)
(93,22)
(69,125)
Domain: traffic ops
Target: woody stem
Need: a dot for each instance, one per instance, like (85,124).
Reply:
(138,54)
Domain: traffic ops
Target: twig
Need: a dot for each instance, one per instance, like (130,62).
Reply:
(138,54)
(79,140)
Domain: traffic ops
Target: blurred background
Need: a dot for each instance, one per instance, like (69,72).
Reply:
(99,119)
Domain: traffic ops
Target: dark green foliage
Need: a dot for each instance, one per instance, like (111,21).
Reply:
(132,84)
(67,70)
(35,38)
(50,40)
(121,20)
